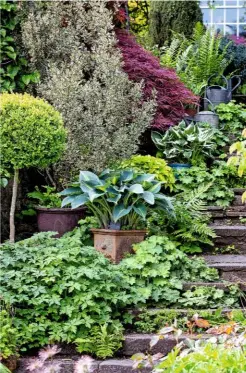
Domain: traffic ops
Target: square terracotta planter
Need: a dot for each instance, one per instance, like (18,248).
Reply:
(114,244)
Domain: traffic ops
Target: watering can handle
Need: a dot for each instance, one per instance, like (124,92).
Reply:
(239,81)
(222,76)
(205,98)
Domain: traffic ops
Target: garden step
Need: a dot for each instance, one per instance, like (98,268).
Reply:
(239,191)
(135,343)
(107,366)
(231,267)
(229,216)
(219,285)
(238,200)
(228,235)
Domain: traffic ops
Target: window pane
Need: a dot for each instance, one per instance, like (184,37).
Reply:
(231,30)
(218,15)
(242,30)
(218,3)
(219,28)
(230,2)
(231,15)
(206,16)
(203,3)
(242,15)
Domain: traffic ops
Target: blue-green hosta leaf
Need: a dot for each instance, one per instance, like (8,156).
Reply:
(155,188)
(144,177)
(79,201)
(70,191)
(141,210)
(136,188)
(126,175)
(105,173)
(114,199)
(156,137)
(149,197)
(86,187)
(119,211)
(67,200)
(94,195)
(87,176)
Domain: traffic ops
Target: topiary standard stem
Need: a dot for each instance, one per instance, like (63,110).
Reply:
(12,208)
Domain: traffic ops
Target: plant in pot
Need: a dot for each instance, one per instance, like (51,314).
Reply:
(120,201)
(184,145)
(32,135)
(51,217)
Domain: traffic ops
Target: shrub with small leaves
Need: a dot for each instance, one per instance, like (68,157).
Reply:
(151,165)
(32,135)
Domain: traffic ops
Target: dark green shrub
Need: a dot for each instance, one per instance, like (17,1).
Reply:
(15,73)
(168,16)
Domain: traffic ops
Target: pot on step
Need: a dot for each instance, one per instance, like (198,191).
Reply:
(115,244)
(59,220)
(207,116)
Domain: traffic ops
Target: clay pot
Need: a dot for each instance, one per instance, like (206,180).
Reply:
(114,244)
(59,220)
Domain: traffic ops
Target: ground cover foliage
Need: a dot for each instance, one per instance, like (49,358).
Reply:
(60,290)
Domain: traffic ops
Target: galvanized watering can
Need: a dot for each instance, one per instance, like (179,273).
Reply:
(218,94)
(207,116)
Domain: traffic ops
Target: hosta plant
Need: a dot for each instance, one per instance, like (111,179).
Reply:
(184,143)
(117,197)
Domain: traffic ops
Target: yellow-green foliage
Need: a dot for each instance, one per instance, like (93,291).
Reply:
(31,132)
(151,165)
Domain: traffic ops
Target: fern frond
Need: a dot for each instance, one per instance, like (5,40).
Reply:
(193,200)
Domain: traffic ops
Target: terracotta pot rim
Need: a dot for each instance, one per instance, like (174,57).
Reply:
(59,210)
(119,232)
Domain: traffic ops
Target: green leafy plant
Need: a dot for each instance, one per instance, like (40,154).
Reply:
(182,143)
(195,60)
(157,271)
(239,159)
(117,196)
(210,297)
(8,336)
(151,165)
(220,177)
(58,288)
(4,369)
(48,198)
(151,321)
(32,135)
(232,118)
(15,73)
(189,226)
(209,357)
(103,340)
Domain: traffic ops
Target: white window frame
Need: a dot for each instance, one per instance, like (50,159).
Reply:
(237,5)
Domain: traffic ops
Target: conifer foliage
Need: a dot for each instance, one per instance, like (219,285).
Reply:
(171,94)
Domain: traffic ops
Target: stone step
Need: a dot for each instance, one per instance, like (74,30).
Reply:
(219,285)
(228,235)
(231,267)
(68,364)
(135,343)
(239,191)
(238,200)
